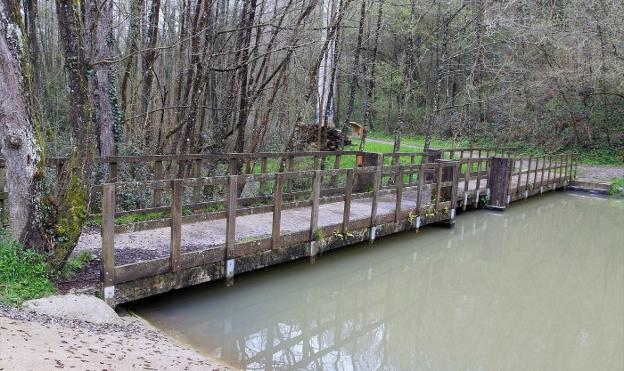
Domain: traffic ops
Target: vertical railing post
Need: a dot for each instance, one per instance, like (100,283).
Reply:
(528,176)
(230,229)
(346,212)
(498,182)
(549,170)
(375,200)
(176,225)
(519,182)
(263,170)
(158,175)
(277,210)
(108,243)
(316,195)
(112,172)
(438,185)
(455,187)
(334,178)
(421,184)
(399,194)
(411,170)
(291,167)
(197,167)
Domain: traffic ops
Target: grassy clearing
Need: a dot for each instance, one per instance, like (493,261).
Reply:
(417,140)
(23,273)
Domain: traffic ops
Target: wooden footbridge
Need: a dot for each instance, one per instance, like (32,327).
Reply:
(205,217)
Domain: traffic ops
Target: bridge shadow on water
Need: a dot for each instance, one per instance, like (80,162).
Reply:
(540,286)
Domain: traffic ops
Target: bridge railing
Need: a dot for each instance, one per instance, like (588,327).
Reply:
(520,177)
(435,193)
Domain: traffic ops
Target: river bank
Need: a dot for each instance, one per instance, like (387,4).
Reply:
(36,341)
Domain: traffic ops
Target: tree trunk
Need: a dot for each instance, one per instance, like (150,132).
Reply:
(24,174)
(370,86)
(355,67)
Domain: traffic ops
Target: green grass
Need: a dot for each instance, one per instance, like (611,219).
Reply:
(23,273)
(616,185)
(416,140)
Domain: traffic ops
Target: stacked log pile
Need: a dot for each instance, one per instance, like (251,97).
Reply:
(335,139)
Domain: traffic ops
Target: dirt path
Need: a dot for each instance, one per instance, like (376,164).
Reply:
(600,173)
(31,341)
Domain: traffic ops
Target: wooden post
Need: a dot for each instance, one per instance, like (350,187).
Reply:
(549,170)
(197,174)
(399,194)
(316,194)
(438,185)
(526,184)
(334,178)
(364,182)
(543,169)
(455,186)
(519,183)
(375,201)
(498,182)
(346,213)
(421,183)
(411,171)
(108,243)
(230,229)
(158,175)
(176,225)
(263,170)
(291,167)
(112,172)
(232,167)
(277,209)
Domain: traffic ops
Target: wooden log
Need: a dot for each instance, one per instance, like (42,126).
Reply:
(277,210)
(498,181)
(108,238)
(176,225)
(346,213)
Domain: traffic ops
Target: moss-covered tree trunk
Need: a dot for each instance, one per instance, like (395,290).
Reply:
(71,204)
(18,127)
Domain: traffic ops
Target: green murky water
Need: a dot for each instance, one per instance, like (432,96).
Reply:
(538,287)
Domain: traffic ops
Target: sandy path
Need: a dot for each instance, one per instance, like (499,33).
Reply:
(35,342)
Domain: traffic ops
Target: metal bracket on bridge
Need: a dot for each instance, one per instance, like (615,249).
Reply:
(313,250)
(418,223)
(373,234)
(230,266)
(109,295)
(526,194)
(541,189)
(453,214)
